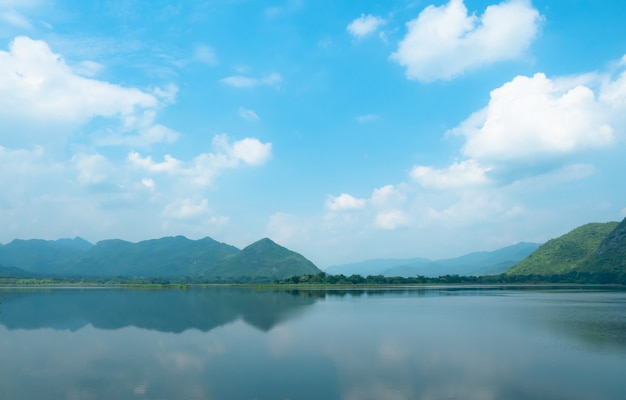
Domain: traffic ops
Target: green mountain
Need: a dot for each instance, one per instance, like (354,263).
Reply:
(43,256)
(169,257)
(166,257)
(266,259)
(570,252)
(610,255)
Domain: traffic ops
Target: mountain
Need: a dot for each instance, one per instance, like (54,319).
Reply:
(12,272)
(266,259)
(572,251)
(42,256)
(611,253)
(477,263)
(169,257)
(373,267)
(166,257)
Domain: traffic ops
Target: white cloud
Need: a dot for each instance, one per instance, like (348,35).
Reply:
(240,81)
(203,169)
(345,202)
(169,165)
(37,83)
(249,115)
(92,168)
(392,219)
(388,195)
(365,25)
(443,42)
(147,132)
(613,92)
(251,151)
(535,117)
(459,175)
(148,182)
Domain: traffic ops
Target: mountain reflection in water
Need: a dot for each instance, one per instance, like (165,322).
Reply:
(242,343)
(161,310)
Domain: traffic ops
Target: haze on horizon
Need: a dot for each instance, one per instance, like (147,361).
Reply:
(341,130)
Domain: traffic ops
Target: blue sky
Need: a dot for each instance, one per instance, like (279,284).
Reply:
(342,130)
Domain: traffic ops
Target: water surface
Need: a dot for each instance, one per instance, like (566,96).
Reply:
(240,343)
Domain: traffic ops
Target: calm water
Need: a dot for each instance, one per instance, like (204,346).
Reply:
(234,343)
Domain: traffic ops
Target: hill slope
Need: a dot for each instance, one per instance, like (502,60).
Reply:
(610,255)
(566,253)
(43,256)
(265,258)
(169,257)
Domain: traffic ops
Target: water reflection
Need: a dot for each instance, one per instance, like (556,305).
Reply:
(161,310)
(231,343)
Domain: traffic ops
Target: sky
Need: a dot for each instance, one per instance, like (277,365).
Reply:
(343,130)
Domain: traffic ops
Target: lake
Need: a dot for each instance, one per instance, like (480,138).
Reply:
(245,343)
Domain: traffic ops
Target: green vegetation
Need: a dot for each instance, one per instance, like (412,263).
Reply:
(171,258)
(576,277)
(566,253)
(610,255)
(591,254)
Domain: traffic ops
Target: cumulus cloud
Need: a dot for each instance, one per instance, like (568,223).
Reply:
(240,81)
(37,82)
(203,169)
(443,42)
(459,175)
(251,151)
(533,117)
(365,25)
(169,164)
(345,202)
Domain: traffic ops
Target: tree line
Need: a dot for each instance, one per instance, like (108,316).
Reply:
(571,277)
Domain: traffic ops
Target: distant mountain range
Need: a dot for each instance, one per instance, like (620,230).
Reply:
(169,257)
(477,263)
(592,248)
(594,252)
